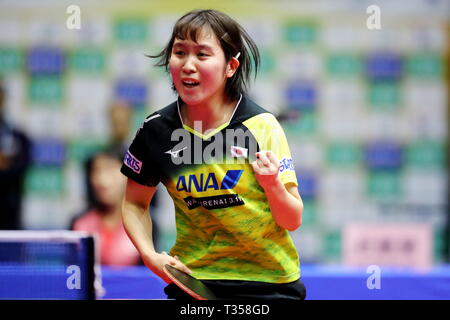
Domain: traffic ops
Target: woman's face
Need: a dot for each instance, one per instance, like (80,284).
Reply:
(199,70)
(107,181)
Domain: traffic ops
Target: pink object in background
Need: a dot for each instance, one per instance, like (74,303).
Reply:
(114,245)
(388,244)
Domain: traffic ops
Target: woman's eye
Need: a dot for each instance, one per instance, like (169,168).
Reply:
(179,52)
(202,54)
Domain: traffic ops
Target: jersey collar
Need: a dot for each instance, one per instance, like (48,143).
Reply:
(214,131)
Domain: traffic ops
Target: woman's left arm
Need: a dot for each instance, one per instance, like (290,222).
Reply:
(285,202)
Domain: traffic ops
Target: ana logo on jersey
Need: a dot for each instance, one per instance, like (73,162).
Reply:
(204,182)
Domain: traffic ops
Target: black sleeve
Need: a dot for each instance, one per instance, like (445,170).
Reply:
(138,163)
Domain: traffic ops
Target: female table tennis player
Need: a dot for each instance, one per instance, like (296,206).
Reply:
(232,217)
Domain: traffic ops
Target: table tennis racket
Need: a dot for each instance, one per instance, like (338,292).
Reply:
(192,286)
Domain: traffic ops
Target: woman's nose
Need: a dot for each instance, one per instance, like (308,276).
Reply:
(189,65)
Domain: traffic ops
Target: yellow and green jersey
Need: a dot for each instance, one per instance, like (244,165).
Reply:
(225,229)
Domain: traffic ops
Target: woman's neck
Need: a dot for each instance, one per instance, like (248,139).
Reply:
(212,113)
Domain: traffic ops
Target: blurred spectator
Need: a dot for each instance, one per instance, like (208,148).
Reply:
(120,117)
(14,161)
(103,218)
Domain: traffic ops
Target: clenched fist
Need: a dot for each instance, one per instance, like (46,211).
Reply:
(266,167)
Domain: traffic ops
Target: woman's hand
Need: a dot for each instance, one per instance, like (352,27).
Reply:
(285,202)
(156,262)
(266,167)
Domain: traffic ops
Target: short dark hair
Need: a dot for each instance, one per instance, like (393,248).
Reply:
(232,37)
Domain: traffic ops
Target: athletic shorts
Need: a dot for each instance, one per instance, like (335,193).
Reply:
(245,290)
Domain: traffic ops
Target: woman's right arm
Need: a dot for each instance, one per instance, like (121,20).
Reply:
(138,225)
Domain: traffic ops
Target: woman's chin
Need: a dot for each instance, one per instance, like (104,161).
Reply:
(191,99)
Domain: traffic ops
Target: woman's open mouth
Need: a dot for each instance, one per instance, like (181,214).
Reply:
(190,84)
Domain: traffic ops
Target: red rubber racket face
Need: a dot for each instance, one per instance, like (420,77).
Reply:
(192,286)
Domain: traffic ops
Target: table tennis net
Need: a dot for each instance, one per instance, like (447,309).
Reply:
(48,265)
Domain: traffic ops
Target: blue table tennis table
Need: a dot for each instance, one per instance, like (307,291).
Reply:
(323,282)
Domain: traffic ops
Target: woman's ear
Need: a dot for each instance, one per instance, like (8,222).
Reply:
(233,64)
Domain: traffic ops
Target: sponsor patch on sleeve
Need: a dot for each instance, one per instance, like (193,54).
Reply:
(131,162)
(286,164)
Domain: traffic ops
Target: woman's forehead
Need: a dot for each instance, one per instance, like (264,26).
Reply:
(203,37)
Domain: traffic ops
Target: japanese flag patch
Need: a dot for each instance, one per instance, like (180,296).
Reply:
(239,152)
